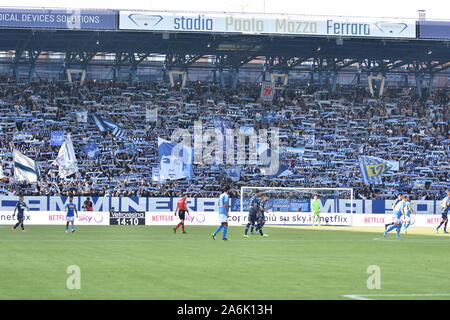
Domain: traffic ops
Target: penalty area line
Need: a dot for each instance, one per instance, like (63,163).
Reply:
(366,296)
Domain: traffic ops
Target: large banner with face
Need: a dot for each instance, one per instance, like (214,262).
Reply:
(250,23)
(175,160)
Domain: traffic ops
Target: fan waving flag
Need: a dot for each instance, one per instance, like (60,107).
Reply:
(66,160)
(372,169)
(25,169)
(109,126)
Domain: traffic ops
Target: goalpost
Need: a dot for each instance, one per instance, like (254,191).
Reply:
(292,206)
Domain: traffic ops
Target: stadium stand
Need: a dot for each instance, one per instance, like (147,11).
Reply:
(399,126)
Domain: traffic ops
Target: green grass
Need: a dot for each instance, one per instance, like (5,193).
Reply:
(142,262)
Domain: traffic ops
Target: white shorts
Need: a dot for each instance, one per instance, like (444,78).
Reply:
(70,219)
(223,218)
(407,219)
(396,220)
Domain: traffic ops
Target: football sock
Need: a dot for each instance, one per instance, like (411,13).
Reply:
(177,226)
(182,227)
(225,230)
(391,228)
(17,224)
(259,228)
(218,229)
(247,227)
(21,225)
(440,225)
(406,226)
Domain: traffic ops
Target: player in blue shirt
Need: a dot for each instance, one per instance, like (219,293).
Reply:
(20,209)
(224,208)
(71,211)
(408,210)
(399,211)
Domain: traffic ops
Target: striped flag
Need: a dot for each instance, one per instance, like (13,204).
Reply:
(25,169)
(66,160)
(109,126)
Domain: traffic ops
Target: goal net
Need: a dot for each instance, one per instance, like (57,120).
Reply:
(293,206)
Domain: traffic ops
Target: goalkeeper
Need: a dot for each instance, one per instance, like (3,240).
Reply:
(315,206)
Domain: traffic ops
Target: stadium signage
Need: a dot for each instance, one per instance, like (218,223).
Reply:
(58,19)
(264,24)
(127,218)
(434,30)
(206,205)
(56,218)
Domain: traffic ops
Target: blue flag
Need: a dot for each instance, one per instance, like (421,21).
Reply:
(92,150)
(57,138)
(373,168)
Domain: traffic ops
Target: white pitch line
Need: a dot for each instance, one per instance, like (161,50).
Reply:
(364,296)
(218,240)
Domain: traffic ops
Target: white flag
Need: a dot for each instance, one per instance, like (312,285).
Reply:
(82,116)
(66,160)
(151,115)
(25,169)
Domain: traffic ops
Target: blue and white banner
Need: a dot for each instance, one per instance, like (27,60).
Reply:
(108,125)
(92,150)
(234,173)
(253,23)
(66,160)
(298,151)
(82,116)
(269,116)
(373,168)
(25,169)
(168,204)
(58,19)
(175,160)
(310,139)
(57,138)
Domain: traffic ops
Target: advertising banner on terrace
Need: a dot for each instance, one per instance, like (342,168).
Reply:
(58,19)
(250,23)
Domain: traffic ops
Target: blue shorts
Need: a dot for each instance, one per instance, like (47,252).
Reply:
(20,217)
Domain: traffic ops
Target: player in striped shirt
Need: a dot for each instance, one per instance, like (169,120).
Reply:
(181,210)
(445,204)
(224,208)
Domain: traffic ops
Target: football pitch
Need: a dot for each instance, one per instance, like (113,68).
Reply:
(148,262)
